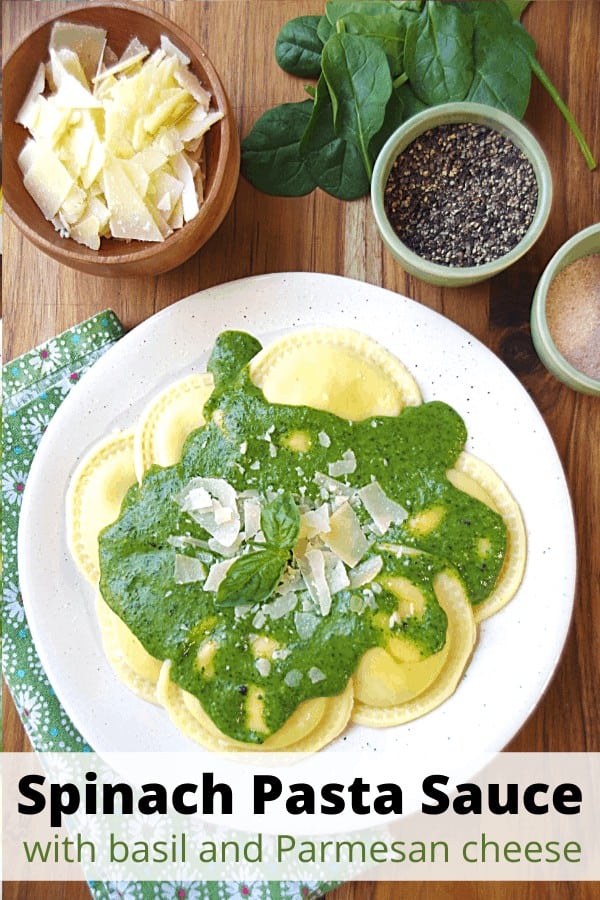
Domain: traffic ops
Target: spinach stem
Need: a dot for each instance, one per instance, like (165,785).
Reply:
(545,81)
(400,80)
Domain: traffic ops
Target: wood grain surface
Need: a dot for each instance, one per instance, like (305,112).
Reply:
(317,233)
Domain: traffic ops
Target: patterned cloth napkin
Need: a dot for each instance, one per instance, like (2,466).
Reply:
(34,386)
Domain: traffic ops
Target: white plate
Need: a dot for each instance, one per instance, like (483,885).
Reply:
(517,649)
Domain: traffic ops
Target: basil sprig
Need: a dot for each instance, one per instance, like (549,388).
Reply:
(280,522)
(253,578)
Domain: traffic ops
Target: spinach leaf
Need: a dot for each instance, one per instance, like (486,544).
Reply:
(280,522)
(394,116)
(252,578)
(325,29)
(271,159)
(516,7)
(378,62)
(501,51)
(298,47)
(335,164)
(359,81)
(438,54)
(335,9)
(410,102)
(388,29)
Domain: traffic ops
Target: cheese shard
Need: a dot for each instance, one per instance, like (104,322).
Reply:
(380,507)
(72,90)
(345,536)
(87,41)
(133,53)
(129,216)
(312,566)
(46,179)
(167,46)
(27,115)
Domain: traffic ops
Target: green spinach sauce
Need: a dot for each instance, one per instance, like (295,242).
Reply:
(246,442)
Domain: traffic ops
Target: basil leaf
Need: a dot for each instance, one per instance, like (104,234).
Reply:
(280,522)
(438,53)
(335,164)
(501,49)
(252,578)
(271,159)
(298,47)
(360,84)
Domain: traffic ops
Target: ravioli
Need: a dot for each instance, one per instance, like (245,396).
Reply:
(402,538)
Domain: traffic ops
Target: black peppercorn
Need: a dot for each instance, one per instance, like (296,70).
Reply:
(461,195)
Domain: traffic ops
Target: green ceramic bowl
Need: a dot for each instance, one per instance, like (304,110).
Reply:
(584,243)
(455,113)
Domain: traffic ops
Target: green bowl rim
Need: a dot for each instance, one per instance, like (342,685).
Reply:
(544,344)
(457,113)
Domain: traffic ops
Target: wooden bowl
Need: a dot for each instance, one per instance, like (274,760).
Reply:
(117,257)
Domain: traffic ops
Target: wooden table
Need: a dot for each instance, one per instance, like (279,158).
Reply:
(317,233)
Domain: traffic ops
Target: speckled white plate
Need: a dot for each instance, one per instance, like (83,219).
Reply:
(517,649)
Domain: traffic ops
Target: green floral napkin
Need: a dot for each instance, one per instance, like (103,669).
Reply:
(34,386)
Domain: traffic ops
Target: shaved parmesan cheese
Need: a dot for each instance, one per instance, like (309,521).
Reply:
(315,675)
(252,511)
(217,547)
(291,581)
(314,521)
(217,573)
(365,571)
(281,606)
(259,619)
(306,623)
(324,439)
(188,80)
(87,231)
(28,113)
(263,666)
(46,179)
(180,541)
(129,129)
(335,572)
(312,566)
(86,41)
(168,47)
(380,507)
(133,53)
(345,466)
(188,569)
(293,678)
(189,198)
(331,486)
(129,215)
(345,536)
(65,68)
(212,503)
(27,156)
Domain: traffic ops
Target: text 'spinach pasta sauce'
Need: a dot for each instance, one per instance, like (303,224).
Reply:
(292,541)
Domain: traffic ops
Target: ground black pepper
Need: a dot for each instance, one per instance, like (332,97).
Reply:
(461,195)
